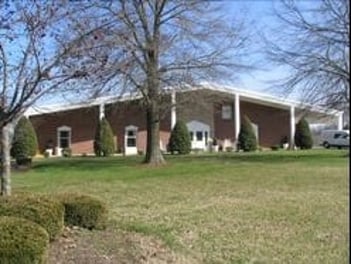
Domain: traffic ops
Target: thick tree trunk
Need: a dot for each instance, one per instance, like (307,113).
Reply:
(5,161)
(153,152)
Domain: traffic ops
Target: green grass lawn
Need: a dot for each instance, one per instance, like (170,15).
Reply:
(272,207)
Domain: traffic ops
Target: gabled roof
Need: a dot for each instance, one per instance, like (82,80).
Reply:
(245,95)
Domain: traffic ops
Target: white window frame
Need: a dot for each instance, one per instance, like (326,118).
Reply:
(130,150)
(64,129)
(227,112)
(135,131)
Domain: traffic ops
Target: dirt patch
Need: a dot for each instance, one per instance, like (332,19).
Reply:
(79,246)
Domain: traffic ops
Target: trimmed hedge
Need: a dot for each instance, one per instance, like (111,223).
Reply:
(180,140)
(247,138)
(25,143)
(104,144)
(22,241)
(83,210)
(40,209)
(303,136)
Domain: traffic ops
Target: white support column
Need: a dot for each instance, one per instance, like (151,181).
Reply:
(173,110)
(340,121)
(237,116)
(292,127)
(101,111)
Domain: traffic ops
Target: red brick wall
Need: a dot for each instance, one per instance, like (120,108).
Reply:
(224,128)
(273,123)
(125,114)
(82,121)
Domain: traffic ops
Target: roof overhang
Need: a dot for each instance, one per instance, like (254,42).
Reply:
(245,95)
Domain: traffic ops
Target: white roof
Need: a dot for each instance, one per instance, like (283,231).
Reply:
(245,95)
(39,110)
(269,100)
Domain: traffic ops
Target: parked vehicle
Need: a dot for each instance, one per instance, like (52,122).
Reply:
(335,138)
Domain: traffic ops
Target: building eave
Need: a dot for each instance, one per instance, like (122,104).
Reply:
(245,95)
(268,100)
(39,110)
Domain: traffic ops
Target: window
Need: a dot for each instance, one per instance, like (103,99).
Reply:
(131,136)
(131,142)
(191,136)
(226,112)
(199,135)
(338,135)
(206,138)
(64,137)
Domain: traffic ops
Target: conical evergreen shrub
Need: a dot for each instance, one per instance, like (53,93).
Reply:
(247,138)
(24,143)
(180,141)
(104,144)
(303,136)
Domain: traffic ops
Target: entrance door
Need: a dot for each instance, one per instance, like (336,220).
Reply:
(130,140)
(199,133)
(63,139)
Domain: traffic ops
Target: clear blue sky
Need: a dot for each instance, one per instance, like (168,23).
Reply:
(259,17)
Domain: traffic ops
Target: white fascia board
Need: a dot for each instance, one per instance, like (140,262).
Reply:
(264,99)
(249,96)
(39,110)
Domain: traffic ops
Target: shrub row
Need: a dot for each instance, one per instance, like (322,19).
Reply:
(83,210)
(28,222)
(40,209)
(22,241)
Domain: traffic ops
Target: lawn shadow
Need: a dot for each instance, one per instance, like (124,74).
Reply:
(85,163)
(101,163)
(265,157)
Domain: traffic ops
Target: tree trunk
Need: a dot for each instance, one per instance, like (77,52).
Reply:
(153,152)
(5,161)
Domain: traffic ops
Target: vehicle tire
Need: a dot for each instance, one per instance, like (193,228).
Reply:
(339,147)
(326,145)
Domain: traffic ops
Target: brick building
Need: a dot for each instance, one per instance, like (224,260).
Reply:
(209,112)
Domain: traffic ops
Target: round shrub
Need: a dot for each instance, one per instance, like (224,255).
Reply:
(104,144)
(47,212)
(84,210)
(303,137)
(247,139)
(22,241)
(180,141)
(25,143)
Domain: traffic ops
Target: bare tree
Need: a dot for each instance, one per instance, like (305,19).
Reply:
(31,52)
(151,47)
(314,43)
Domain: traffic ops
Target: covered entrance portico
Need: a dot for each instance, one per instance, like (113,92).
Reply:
(199,134)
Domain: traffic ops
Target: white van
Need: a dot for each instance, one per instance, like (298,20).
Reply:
(335,138)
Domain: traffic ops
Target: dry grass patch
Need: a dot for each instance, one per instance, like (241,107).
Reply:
(80,246)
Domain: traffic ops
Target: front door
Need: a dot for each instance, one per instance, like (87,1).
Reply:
(130,140)
(199,133)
